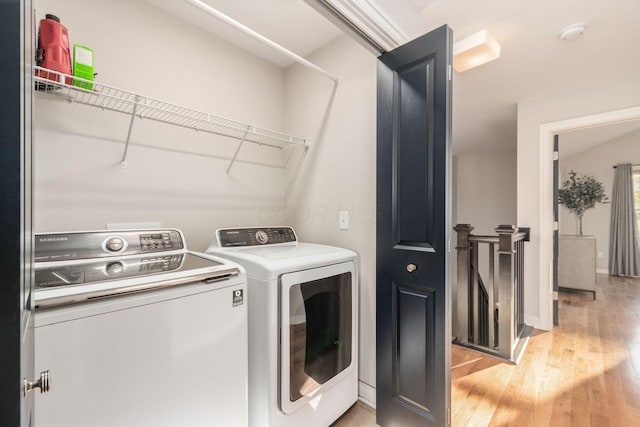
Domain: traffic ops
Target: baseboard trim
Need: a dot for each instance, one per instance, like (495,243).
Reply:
(533,321)
(602,271)
(367,394)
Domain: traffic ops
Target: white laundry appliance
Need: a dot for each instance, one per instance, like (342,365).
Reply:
(135,330)
(303,330)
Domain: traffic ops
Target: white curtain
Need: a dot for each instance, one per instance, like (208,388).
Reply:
(624,245)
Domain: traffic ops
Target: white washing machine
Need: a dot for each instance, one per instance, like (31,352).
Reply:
(303,330)
(138,331)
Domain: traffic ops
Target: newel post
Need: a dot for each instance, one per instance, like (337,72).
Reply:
(506,251)
(463,248)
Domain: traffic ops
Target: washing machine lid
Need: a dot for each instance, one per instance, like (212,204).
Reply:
(80,266)
(66,283)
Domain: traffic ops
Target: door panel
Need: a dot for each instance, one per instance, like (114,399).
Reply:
(414,321)
(414,199)
(414,184)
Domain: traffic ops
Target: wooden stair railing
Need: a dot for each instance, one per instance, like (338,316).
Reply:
(490,316)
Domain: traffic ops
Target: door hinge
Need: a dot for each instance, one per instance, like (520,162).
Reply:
(555,295)
(449,244)
(556,227)
(450,73)
(556,155)
(448,416)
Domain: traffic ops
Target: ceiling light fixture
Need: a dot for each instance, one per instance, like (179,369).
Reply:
(573,31)
(475,50)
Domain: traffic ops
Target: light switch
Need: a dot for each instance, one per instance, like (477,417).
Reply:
(343,220)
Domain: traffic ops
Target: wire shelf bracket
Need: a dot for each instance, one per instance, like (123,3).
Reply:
(123,162)
(235,155)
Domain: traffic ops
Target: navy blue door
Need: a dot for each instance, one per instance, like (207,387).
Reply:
(16,319)
(413,229)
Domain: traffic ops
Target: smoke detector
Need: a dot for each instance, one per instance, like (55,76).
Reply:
(572,32)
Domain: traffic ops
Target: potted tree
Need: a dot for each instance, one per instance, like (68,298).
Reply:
(577,254)
(579,194)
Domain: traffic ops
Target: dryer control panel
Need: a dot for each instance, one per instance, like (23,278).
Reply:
(232,237)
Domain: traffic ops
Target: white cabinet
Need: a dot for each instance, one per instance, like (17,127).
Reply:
(577,263)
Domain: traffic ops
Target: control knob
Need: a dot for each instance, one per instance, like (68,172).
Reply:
(114,268)
(261,237)
(114,244)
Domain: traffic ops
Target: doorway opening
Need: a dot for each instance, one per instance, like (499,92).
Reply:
(547,132)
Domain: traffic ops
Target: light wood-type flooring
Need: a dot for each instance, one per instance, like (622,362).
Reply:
(584,373)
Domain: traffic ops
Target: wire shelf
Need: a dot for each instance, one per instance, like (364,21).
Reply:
(75,89)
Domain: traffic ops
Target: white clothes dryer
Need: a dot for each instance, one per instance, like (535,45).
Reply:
(302,302)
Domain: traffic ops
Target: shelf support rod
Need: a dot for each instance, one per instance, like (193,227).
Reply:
(294,177)
(248,31)
(123,162)
(235,155)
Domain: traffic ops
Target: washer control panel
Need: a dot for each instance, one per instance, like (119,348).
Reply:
(162,241)
(97,244)
(232,237)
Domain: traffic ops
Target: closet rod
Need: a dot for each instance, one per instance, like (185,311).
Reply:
(634,165)
(221,16)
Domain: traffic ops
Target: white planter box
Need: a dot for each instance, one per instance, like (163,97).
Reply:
(577,263)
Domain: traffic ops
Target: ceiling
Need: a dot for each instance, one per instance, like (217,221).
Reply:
(534,61)
(291,23)
(578,141)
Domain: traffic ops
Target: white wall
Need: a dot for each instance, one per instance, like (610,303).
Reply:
(486,190)
(598,162)
(537,118)
(484,195)
(339,172)
(174,176)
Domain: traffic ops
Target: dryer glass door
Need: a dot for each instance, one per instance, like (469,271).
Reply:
(317,320)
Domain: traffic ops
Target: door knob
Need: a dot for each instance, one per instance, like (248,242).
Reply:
(411,268)
(42,383)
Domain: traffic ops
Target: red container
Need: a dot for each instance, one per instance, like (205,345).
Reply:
(53,48)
